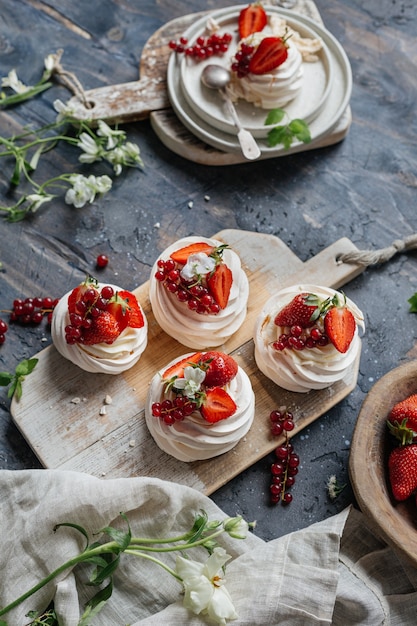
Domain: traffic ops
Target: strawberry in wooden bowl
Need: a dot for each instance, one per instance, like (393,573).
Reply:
(199,292)
(99,327)
(307,337)
(383,459)
(200,406)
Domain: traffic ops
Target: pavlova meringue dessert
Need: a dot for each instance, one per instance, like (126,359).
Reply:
(267,69)
(307,337)
(198,292)
(99,327)
(199,406)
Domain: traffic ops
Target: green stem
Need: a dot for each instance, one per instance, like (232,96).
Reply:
(154,560)
(108,547)
(185,546)
(26,95)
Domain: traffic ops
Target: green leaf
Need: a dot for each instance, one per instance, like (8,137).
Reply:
(80,529)
(5,379)
(274,117)
(25,367)
(413,303)
(102,574)
(15,389)
(300,130)
(280,134)
(95,605)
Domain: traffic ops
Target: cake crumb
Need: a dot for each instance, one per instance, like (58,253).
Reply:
(75,400)
(132,443)
(103,410)
(108,399)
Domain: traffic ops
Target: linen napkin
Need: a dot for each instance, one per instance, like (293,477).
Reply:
(334,572)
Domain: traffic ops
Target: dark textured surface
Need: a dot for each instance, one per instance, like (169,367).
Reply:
(363,188)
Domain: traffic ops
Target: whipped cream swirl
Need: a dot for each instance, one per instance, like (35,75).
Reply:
(192,329)
(272,90)
(194,438)
(311,368)
(280,86)
(99,358)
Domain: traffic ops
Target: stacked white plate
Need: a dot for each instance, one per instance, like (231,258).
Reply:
(321,103)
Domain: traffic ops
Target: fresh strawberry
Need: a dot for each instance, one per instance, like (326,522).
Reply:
(270,54)
(126,310)
(402,469)
(302,311)
(402,420)
(340,325)
(221,369)
(252,19)
(181,255)
(177,369)
(217,405)
(220,284)
(104,329)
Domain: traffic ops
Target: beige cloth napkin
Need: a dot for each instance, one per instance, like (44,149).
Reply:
(333,572)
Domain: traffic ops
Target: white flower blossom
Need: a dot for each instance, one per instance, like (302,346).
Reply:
(12,81)
(91,150)
(204,587)
(197,265)
(191,383)
(236,527)
(36,200)
(64,110)
(49,62)
(113,136)
(84,189)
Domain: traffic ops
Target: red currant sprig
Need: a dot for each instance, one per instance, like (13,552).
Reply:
(3,330)
(196,296)
(204,47)
(90,306)
(171,411)
(298,338)
(242,58)
(285,468)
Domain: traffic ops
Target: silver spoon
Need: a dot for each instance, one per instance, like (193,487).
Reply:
(218,77)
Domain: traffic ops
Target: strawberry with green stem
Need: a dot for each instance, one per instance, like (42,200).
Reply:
(402,469)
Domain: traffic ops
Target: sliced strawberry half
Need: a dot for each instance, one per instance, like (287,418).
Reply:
(221,368)
(217,405)
(252,19)
(77,293)
(340,326)
(125,308)
(270,54)
(220,283)
(181,256)
(177,369)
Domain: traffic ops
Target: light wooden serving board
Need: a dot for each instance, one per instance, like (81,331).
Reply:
(59,412)
(148,98)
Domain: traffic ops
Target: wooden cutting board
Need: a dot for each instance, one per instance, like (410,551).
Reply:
(148,97)
(59,412)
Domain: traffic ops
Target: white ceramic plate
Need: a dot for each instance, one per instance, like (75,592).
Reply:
(327,119)
(208,104)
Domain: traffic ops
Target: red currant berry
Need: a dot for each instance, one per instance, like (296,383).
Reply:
(101,261)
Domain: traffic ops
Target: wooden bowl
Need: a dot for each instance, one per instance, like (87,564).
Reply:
(368,463)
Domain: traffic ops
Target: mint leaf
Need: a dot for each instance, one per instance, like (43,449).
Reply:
(300,130)
(25,367)
(413,304)
(15,380)
(5,379)
(274,116)
(280,134)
